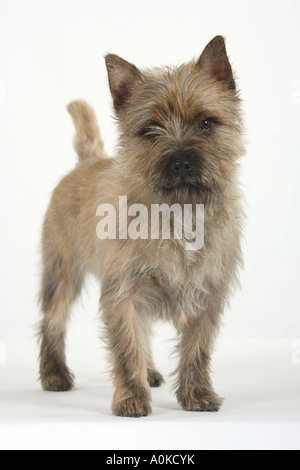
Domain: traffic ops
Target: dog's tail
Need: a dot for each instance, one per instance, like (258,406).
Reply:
(88,142)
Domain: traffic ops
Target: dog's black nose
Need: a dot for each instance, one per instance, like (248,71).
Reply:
(182,167)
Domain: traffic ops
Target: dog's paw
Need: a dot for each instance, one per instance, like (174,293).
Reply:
(132,407)
(58,383)
(155,379)
(199,400)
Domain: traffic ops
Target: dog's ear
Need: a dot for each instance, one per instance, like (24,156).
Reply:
(214,61)
(122,77)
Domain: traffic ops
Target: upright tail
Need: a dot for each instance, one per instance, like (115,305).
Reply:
(87,143)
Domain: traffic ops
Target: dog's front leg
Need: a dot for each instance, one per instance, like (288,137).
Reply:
(125,339)
(194,388)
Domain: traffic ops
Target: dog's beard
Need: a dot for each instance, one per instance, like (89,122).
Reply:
(201,187)
(180,192)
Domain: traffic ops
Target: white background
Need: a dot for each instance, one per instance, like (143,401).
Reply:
(51,52)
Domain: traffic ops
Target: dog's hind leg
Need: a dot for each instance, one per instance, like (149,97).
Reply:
(60,287)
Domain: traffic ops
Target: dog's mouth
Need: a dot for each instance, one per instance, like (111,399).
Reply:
(182,183)
(188,182)
(186,190)
(181,180)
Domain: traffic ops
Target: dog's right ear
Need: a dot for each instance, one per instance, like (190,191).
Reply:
(122,77)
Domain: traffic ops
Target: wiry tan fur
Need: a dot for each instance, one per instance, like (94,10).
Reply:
(144,280)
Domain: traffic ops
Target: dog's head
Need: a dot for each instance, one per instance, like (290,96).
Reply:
(180,127)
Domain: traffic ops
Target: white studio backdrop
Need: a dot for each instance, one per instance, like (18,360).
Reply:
(51,52)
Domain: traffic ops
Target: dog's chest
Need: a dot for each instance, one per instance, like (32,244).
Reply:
(177,269)
(185,271)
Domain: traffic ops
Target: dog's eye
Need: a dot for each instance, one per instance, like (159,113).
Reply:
(205,125)
(150,132)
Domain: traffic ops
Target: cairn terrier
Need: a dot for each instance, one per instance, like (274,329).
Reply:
(180,143)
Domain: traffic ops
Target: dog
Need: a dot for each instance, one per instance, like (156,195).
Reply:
(181,138)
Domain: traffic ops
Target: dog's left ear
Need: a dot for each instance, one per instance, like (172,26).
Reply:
(122,77)
(214,61)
